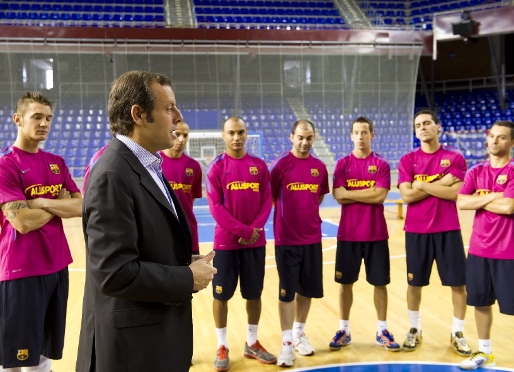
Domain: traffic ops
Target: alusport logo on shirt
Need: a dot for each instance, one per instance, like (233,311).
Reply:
(181,186)
(483,192)
(240,185)
(300,186)
(40,190)
(360,183)
(426,178)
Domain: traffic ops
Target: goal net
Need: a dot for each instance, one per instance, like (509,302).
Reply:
(204,146)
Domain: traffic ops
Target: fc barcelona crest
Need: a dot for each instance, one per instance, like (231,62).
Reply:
(282,292)
(445,163)
(254,170)
(314,172)
(189,172)
(339,275)
(372,169)
(502,178)
(22,354)
(55,168)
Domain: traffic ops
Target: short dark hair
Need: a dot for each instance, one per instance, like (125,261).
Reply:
(132,88)
(363,119)
(508,124)
(28,98)
(434,116)
(303,121)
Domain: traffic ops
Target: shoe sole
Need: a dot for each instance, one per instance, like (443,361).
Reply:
(283,365)
(251,356)
(388,348)
(462,354)
(222,368)
(310,354)
(482,366)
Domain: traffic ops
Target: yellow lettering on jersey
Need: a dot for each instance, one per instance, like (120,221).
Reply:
(238,185)
(300,186)
(426,178)
(483,192)
(181,186)
(360,183)
(39,190)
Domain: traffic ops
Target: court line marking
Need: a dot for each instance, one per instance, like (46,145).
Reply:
(321,367)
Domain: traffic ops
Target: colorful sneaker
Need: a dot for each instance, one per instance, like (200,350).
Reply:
(221,361)
(287,356)
(478,360)
(340,339)
(386,340)
(460,345)
(301,344)
(413,340)
(257,351)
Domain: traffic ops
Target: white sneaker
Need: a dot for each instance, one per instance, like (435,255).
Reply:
(287,355)
(301,344)
(478,360)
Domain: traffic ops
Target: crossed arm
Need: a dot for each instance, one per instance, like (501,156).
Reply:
(446,188)
(493,202)
(373,195)
(29,215)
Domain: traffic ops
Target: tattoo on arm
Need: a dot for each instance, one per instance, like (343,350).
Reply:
(11,209)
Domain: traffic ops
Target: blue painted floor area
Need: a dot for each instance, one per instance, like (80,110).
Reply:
(206,223)
(206,226)
(396,367)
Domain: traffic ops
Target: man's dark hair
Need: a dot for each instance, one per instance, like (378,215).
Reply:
(303,121)
(434,116)
(508,124)
(28,98)
(132,88)
(362,119)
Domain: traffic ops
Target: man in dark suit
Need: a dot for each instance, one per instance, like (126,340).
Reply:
(139,277)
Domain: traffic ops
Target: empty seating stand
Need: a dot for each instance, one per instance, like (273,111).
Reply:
(92,13)
(415,14)
(267,14)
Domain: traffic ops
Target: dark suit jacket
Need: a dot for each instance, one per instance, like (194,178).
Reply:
(137,301)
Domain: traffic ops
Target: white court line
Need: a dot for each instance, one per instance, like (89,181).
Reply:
(413,363)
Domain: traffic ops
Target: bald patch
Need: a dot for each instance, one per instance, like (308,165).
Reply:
(235,120)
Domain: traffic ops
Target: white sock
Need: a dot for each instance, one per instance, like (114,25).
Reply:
(221,334)
(298,329)
(16,369)
(287,336)
(415,319)
(458,325)
(485,346)
(344,325)
(381,326)
(251,334)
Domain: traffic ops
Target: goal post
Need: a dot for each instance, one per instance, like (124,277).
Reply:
(204,146)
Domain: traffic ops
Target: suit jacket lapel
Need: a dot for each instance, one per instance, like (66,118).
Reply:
(144,176)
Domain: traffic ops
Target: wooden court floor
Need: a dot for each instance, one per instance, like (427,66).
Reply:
(436,313)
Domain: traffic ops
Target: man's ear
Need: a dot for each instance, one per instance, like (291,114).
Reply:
(138,114)
(16,118)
